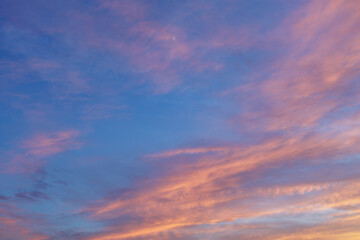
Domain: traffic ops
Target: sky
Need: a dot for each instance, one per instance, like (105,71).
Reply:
(179,120)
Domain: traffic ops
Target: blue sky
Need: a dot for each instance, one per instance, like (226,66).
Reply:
(179,120)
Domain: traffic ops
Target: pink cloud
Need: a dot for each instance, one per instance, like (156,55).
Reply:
(177,152)
(33,152)
(50,144)
(312,79)
(216,186)
(131,10)
(16,226)
(207,191)
(161,51)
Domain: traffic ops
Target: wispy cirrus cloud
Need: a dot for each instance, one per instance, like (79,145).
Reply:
(161,52)
(225,187)
(288,169)
(317,75)
(51,143)
(32,153)
(228,187)
(14,224)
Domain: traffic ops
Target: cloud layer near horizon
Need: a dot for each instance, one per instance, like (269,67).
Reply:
(180,120)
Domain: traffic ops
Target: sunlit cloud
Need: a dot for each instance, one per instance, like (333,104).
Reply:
(180,120)
(32,153)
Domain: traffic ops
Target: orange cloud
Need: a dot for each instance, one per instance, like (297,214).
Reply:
(217,186)
(176,152)
(208,191)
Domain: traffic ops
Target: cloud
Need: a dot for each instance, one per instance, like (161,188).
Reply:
(215,188)
(177,152)
(31,196)
(50,143)
(297,175)
(14,225)
(225,187)
(33,151)
(159,53)
(315,76)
